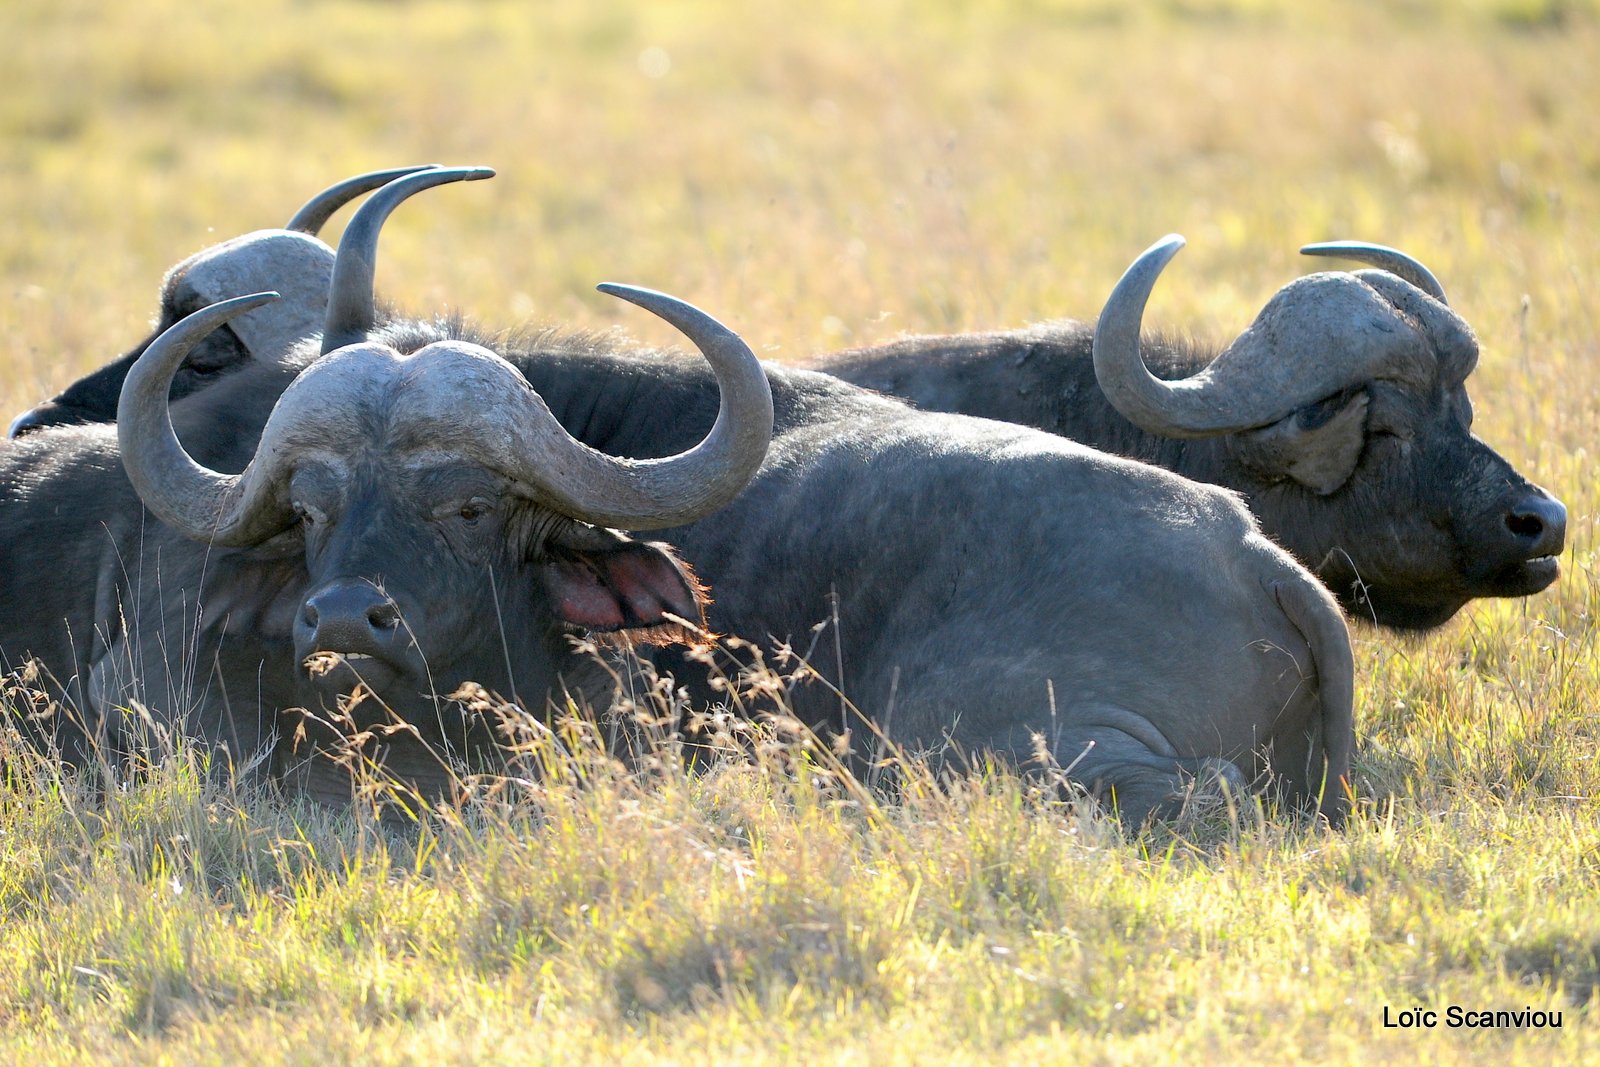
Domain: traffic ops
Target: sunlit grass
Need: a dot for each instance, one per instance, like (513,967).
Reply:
(820,177)
(768,902)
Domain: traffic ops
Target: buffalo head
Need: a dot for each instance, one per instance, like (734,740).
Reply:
(291,260)
(1345,405)
(421,513)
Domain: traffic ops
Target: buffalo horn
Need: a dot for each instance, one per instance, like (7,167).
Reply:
(314,214)
(352,311)
(1185,408)
(1383,257)
(193,500)
(653,494)
(1318,335)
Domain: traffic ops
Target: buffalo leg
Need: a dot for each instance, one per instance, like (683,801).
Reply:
(1122,767)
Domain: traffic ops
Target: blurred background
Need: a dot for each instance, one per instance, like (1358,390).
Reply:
(828,174)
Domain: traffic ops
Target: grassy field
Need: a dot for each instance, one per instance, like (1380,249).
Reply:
(819,177)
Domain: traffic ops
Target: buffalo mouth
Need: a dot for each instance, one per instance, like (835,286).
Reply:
(338,674)
(1523,578)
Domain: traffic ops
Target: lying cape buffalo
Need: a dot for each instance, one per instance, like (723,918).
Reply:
(995,587)
(419,513)
(1341,415)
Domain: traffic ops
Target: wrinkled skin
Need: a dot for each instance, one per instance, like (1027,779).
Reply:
(1421,516)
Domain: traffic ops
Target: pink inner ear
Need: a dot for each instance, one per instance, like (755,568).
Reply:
(636,585)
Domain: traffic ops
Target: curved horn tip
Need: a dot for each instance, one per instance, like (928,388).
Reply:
(196,325)
(1161,253)
(1406,267)
(1337,248)
(239,304)
(315,213)
(1174,241)
(662,305)
(630,293)
(1142,272)
(26,422)
(1152,261)
(1350,249)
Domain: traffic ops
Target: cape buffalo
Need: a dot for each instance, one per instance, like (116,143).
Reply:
(1341,415)
(299,266)
(418,513)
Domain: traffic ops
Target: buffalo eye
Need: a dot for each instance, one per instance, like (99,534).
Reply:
(473,510)
(1315,416)
(220,352)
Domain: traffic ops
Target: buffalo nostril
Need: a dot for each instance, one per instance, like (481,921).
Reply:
(1540,522)
(352,617)
(1524,524)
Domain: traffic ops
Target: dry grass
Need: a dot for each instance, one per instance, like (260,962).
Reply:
(816,178)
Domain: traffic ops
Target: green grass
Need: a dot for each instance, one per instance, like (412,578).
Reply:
(822,177)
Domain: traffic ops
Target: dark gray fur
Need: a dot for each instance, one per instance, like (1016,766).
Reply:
(992,584)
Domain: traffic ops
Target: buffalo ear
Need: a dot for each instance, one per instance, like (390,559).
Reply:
(605,582)
(247,594)
(1317,446)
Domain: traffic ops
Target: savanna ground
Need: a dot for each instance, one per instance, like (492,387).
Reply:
(823,175)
